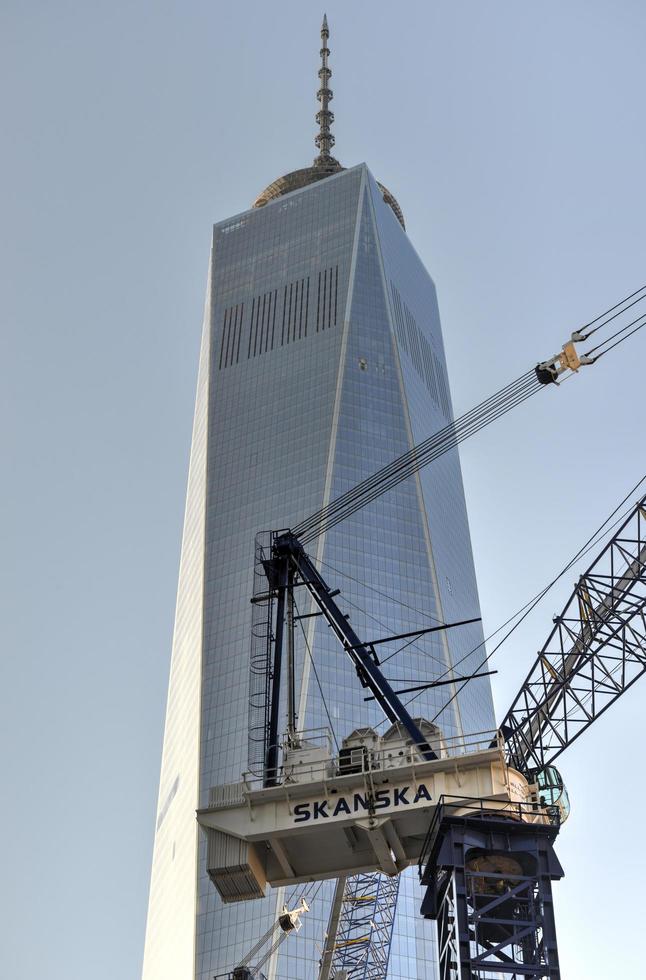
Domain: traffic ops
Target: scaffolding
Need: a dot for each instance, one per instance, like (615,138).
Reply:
(364,934)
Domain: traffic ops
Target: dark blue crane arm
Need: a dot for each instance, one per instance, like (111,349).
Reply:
(289,560)
(595,652)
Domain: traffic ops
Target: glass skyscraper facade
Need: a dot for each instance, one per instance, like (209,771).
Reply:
(321,360)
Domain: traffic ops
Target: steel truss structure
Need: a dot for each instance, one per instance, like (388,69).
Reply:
(362,944)
(366,917)
(261,673)
(489,889)
(596,651)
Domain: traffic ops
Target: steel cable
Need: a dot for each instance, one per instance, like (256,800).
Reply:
(462,428)
(525,610)
(410,454)
(417,457)
(316,675)
(459,435)
(402,460)
(618,334)
(642,289)
(379,592)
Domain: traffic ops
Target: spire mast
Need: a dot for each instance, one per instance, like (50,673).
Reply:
(324,139)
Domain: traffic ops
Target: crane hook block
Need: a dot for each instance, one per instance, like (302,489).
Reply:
(290,921)
(567,359)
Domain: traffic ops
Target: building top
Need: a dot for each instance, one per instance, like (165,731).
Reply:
(324,164)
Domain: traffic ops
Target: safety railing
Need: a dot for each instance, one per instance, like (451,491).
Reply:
(241,973)
(481,808)
(311,758)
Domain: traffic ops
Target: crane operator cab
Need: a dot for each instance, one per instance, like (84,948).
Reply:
(551,793)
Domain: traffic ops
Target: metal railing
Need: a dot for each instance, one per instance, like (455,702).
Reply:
(241,973)
(480,808)
(369,755)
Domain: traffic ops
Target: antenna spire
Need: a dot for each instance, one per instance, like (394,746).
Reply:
(324,139)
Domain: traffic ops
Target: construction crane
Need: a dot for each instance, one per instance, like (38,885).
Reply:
(287,924)
(479,814)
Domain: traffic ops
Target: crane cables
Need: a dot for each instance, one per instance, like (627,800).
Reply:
(417,457)
(471,422)
(605,318)
(610,523)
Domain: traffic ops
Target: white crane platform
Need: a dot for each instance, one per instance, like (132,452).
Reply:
(368,810)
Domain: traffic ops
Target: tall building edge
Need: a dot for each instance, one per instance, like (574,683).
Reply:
(169,947)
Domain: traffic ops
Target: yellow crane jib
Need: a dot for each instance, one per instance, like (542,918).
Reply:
(568,359)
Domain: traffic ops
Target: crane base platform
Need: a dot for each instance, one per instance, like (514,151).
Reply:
(489,888)
(364,812)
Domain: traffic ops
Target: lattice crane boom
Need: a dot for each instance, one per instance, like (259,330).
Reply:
(595,652)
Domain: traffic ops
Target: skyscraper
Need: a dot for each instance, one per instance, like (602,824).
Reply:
(321,360)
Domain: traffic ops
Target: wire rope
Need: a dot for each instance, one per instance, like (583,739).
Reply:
(419,464)
(529,606)
(384,595)
(616,344)
(642,289)
(413,460)
(316,675)
(385,626)
(402,648)
(461,428)
(411,455)
(396,464)
(470,423)
(590,543)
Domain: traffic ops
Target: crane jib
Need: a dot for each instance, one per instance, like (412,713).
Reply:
(288,548)
(595,651)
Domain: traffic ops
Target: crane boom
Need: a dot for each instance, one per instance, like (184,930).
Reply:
(596,650)
(288,560)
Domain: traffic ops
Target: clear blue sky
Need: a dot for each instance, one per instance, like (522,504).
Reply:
(513,136)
